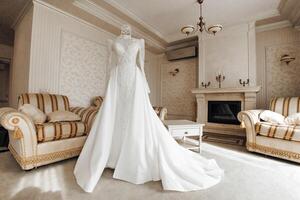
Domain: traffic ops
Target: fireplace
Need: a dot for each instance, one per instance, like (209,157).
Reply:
(224,112)
(215,121)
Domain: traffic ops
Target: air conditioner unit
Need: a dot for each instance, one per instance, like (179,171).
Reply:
(182,53)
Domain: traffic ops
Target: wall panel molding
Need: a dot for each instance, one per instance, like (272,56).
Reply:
(55,68)
(272,39)
(176,90)
(48,60)
(233,52)
(82,69)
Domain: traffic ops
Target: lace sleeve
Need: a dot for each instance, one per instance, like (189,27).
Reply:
(109,59)
(109,50)
(142,62)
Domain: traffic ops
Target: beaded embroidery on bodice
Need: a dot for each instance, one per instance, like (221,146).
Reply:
(126,50)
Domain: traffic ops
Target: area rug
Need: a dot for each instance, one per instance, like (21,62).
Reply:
(247,176)
(225,139)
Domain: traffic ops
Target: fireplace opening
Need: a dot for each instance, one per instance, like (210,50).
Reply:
(224,112)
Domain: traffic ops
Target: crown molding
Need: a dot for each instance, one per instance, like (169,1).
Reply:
(60,11)
(291,11)
(265,15)
(276,25)
(103,14)
(22,13)
(136,18)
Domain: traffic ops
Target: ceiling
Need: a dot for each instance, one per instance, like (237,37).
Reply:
(10,10)
(165,18)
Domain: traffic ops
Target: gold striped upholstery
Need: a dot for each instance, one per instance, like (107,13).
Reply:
(285,105)
(97,102)
(60,130)
(285,132)
(87,115)
(157,109)
(45,102)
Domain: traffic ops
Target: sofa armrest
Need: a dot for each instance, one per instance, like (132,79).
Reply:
(248,120)
(161,112)
(87,114)
(22,132)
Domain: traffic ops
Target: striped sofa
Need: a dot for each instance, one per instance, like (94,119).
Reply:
(33,145)
(277,140)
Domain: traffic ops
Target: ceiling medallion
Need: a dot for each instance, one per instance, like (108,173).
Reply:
(201,26)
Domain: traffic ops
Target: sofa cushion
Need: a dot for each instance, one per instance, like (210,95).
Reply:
(272,117)
(63,116)
(37,116)
(293,119)
(280,131)
(47,103)
(60,130)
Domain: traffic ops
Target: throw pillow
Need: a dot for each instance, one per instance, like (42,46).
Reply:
(272,117)
(63,116)
(37,116)
(293,119)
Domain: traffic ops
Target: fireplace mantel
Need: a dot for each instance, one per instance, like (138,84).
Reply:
(246,95)
(225,90)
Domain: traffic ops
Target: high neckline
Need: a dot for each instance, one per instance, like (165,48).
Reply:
(125,37)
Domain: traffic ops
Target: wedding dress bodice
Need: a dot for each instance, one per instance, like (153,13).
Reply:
(126,51)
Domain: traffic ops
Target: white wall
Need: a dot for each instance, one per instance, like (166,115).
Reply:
(69,56)
(19,73)
(231,51)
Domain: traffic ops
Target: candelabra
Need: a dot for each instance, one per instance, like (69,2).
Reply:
(220,78)
(205,85)
(244,83)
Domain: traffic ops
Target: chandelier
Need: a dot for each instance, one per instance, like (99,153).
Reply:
(201,26)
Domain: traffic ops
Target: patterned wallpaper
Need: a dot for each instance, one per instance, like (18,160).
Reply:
(176,90)
(277,79)
(83,69)
(284,79)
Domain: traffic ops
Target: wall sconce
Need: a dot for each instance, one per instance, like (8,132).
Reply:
(173,73)
(287,58)
(205,85)
(244,83)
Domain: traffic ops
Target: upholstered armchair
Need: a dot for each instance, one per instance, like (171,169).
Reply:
(33,145)
(161,112)
(278,140)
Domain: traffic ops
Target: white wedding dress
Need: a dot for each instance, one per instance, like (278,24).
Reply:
(128,136)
